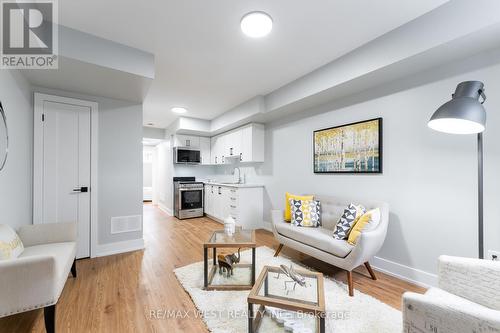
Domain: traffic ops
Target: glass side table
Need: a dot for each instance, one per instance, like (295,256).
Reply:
(243,277)
(289,305)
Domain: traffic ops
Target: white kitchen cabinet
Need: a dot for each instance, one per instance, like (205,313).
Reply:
(181,140)
(205,150)
(253,144)
(244,204)
(208,201)
(214,150)
(244,143)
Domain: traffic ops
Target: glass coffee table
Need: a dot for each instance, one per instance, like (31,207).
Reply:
(286,305)
(243,274)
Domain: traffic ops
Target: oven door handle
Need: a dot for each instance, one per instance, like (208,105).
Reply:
(191,189)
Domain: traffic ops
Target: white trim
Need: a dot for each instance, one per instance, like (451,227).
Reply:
(406,273)
(165,209)
(267,226)
(120,247)
(39,98)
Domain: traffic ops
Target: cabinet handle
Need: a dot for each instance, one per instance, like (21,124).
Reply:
(231,151)
(233,206)
(223,160)
(241,157)
(215,159)
(219,190)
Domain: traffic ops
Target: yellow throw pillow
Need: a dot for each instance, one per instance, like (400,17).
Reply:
(288,209)
(367,221)
(360,211)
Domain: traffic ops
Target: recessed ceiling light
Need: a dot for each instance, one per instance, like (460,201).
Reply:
(179,110)
(256,24)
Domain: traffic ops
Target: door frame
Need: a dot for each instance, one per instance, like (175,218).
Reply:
(39,98)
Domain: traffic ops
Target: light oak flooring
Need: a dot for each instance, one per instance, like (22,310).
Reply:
(117,293)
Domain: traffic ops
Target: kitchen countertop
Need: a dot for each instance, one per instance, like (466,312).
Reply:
(246,185)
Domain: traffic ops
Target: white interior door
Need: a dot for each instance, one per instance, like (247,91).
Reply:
(63,153)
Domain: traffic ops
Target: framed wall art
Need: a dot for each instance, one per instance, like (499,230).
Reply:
(351,148)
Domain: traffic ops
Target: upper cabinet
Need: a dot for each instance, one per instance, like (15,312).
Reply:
(245,144)
(205,148)
(191,141)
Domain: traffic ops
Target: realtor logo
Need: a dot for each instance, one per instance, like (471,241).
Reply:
(29,34)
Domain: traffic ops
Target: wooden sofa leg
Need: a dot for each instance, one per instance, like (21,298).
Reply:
(278,250)
(73,269)
(350,283)
(49,313)
(370,270)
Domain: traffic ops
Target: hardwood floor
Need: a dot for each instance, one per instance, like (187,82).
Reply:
(117,293)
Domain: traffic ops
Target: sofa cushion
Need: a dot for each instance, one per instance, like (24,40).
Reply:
(319,238)
(306,213)
(288,208)
(348,219)
(64,254)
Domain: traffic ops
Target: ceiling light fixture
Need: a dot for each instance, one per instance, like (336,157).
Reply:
(178,109)
(256,24)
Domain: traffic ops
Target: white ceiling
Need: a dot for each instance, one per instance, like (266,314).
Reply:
(205,63)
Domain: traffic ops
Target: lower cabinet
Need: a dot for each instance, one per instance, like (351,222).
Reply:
(244,204)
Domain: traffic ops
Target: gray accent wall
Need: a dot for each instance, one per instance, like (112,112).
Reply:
(15,178)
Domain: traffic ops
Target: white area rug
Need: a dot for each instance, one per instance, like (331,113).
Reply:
(361,313)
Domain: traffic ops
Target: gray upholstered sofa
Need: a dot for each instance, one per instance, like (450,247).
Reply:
(319,242)
(37,277)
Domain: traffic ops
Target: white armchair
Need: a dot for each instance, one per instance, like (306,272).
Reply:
(467,300)
(37,277)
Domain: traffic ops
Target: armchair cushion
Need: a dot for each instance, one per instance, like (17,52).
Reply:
(63,253)
(319,238)
(10,243)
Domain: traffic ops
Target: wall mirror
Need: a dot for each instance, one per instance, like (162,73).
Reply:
(4,138)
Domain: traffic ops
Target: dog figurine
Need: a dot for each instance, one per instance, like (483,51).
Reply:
(226,263)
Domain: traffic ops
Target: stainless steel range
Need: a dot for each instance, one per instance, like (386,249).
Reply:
(188,198)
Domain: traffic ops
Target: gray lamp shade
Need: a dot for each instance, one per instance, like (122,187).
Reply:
(463,114)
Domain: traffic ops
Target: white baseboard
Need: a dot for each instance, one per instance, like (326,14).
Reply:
(165,209)
(267,226)
(120,247)
(406,273)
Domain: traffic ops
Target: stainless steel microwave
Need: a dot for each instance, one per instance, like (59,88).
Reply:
(187,155)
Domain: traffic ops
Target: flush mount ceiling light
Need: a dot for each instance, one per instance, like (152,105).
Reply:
(256,24)
(178,109)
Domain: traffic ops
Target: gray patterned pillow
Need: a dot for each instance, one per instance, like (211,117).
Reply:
(306,213)
(347,220)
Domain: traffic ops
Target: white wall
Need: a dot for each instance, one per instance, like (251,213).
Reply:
(119,164)
(15,178)
(429,178)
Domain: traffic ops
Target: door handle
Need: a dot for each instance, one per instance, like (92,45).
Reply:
(82,189)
